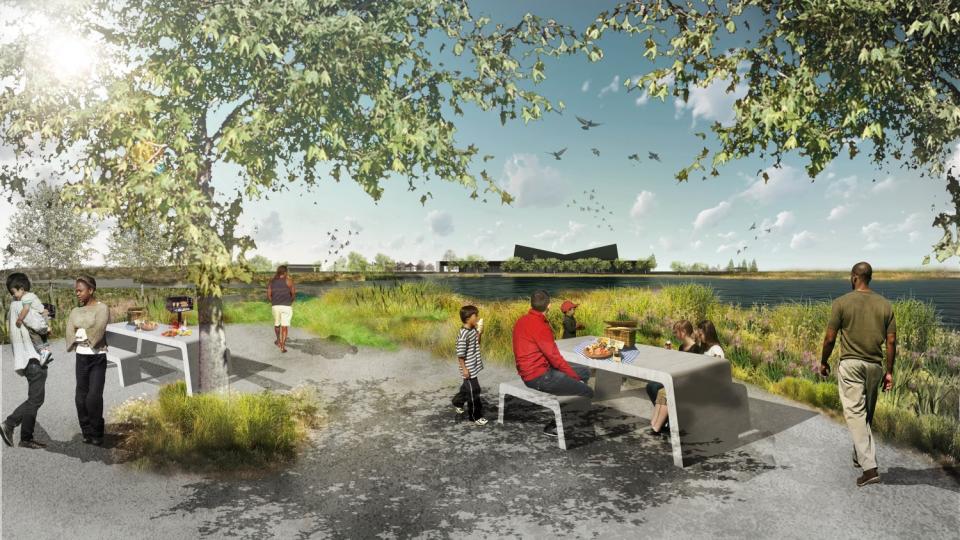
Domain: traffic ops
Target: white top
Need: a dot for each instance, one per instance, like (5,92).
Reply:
(32,300)
(81,336)
(716,351)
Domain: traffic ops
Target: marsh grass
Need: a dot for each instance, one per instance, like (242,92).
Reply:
(214,432)
(776,348)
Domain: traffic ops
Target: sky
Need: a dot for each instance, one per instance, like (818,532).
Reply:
(851,212)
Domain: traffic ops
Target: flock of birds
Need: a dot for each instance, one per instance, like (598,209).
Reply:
(338,246)
(756,235)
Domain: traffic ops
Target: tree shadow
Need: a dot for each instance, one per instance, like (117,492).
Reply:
(245,369)
(401,463)
(939,477)
(331,347)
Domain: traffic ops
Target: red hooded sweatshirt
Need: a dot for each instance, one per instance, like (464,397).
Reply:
(535,349)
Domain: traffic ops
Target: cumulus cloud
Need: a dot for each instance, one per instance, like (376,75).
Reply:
(726,236)
(838,212)
(802,239)
(270,230)
(886,185)
(711,215)
(783,181)
(876,233)
(440,222)
(843,188)
(730,247)
(585,87)
(561,237)
(613,87)
(712,102)
(784,219)
(642,205)
(531,183)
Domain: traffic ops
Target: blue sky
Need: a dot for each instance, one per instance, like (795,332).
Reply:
(843,217)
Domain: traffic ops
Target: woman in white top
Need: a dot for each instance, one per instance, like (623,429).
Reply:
(86,334)
(706,336)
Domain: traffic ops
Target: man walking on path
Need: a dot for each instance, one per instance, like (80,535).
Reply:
(539,362)
(865,321)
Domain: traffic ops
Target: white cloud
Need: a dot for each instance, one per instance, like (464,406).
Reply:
(665,242)
(560,238)
(843,188)
(487,237)
(736,245)
(838,212)
(782,182)
(886,185)
(711,215)
(531,183)
(642,205)
(877,234)
(270,230)
(613,87)
(697,245)
(585,87)
(784,219)
(712,102)
(726,236)
(802,239)
(440,222)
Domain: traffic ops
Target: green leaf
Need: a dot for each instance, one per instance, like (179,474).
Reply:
(731,27)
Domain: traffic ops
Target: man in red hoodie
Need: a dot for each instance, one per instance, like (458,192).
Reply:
(539,362)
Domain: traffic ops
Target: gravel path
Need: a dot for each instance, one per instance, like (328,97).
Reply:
(394,462)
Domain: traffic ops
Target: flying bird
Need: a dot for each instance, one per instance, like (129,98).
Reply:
(654,156)
(738,252)
(556,155)
(587,124)
(634,157)
(756,237)
(768,230)
(595,151)
(753,227)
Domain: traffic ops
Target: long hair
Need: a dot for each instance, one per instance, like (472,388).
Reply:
(709,332)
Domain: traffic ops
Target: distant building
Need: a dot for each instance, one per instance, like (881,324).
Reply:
(606,253)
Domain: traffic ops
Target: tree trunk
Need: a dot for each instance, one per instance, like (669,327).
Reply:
(213,363)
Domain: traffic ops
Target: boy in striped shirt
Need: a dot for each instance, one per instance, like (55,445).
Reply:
(468,354)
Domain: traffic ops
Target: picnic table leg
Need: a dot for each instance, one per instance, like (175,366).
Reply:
(674,423)
(190,353)
(561,440)
(608,385)
(145,348)
(500,408)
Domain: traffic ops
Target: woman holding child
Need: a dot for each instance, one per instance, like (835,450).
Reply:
(86,334)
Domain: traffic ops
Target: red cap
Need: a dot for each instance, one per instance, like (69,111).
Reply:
(567,306)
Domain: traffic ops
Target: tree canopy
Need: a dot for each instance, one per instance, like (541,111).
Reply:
(45,233)
(818,79)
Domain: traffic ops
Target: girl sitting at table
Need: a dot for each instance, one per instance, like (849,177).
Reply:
(705,335)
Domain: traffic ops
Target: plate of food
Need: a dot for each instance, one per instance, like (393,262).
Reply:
(602,348)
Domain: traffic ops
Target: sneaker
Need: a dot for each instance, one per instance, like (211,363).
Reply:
(458,409)
(480,421)
(551,429)
(869,476)
(32,444)
(45,358)
(6,431)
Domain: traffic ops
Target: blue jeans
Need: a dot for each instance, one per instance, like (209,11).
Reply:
(559,383)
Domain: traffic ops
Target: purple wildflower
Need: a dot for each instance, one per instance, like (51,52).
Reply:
(767,357)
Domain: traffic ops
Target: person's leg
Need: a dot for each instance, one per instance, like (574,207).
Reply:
(83,389)
(582,371)
(25,414)
(98,375)
(474,405)
(851,380)
(285,316)
(460,398)
(559,384)
(276,324)
(652,389)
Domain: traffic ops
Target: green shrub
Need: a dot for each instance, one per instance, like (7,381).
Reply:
(213,431)
(916,322)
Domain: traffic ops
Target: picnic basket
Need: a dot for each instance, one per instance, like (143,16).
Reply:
(625,334)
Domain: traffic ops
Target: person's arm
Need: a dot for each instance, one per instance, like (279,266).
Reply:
(95,333)
(463,367)
(270,291)
(891,353)
(548,347)
(293,289)
(22,315)
(830,338)
(569,325)
(71,333)
(462,354)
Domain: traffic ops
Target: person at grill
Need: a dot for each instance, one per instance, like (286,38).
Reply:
(86,334)
(539,362)
(281,292)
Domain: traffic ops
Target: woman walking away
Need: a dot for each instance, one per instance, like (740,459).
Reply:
(86,334)
(281,292)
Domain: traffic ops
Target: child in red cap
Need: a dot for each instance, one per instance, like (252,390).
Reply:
(570,325)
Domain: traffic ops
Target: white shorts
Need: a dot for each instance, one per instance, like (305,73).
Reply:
(282,315)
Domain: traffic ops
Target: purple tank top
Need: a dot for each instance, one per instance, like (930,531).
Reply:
(280,292)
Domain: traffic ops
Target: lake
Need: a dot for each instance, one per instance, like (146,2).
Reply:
(943,293)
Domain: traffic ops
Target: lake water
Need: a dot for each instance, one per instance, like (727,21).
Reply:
(943,293)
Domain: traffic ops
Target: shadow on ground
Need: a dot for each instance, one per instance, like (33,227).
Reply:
(403,463)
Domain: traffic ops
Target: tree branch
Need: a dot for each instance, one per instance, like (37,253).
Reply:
(230,118)
(950,86)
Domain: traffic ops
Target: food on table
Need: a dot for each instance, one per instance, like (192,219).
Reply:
(169,333)
(149,325)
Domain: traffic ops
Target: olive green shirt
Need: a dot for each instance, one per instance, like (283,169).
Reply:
(863,319)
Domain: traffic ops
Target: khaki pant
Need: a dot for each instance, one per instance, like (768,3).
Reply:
(859,383)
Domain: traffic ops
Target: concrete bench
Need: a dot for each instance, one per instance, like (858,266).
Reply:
(128,365)
(550,401)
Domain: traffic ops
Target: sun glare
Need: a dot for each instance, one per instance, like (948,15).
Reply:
(70,57)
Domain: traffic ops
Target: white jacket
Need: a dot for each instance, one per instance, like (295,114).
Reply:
(23,349)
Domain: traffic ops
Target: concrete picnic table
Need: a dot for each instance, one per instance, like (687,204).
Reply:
(708,411)
(126,346)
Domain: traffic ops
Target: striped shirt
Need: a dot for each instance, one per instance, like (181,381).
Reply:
(468,348)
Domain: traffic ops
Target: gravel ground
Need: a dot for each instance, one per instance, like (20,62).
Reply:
(396,462)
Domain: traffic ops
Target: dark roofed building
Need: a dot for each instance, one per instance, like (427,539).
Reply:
(606,253)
